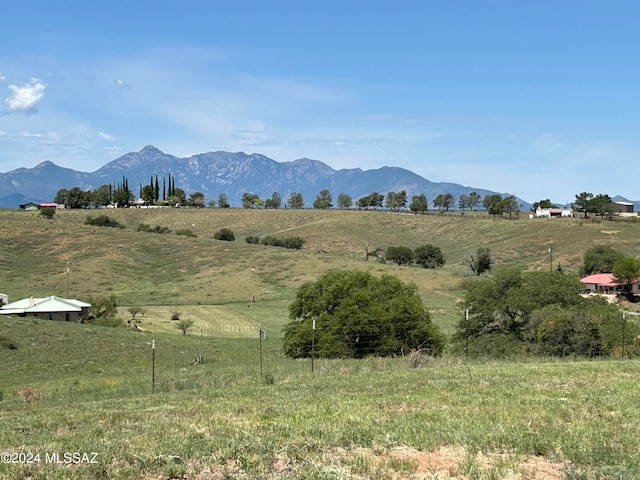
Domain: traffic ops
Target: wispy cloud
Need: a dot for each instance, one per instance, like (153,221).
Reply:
(105,136)
(25,98)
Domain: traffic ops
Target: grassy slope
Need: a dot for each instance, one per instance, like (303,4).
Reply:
(339,423)
(152,269)
(350,418)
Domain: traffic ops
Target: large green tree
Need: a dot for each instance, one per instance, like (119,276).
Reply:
(197,199)
(395,201)
(513,311)
(590,329)
(599,259)
(626,271)
(364,202)
(357,314)
(274,202)
(344,201)
(249,200)
(102,195)
(481,261)
(148,194)
(428,256)
(295,200)
(399,254)
(76,198)
(503,302)
(223,201)
(419,204)
(512,205)
(444,201)
(323,200)
(602,205)
(494,204)
(582,203)
(376,200)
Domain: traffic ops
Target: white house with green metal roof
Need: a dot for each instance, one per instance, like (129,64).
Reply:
(48,308)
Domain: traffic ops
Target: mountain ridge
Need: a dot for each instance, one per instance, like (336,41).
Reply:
(232,173)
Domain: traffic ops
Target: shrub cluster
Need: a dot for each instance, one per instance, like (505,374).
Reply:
(143,227)
(103,221)
(225,234)
(427,256)
(287,242)
(186,232)
(47,212)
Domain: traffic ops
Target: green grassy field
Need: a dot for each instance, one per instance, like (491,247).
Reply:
(221,403)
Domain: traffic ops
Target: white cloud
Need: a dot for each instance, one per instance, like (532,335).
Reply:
(2,77)
(25,98)
(121,84)
(105,136)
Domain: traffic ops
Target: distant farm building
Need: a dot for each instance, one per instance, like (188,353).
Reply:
(48,308)
(37,206)
(4,299)
(554,212)
(625,209)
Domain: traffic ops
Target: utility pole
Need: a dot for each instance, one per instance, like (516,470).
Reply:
(261,336)
(624,321)
(313,343)
(550,259)
(153,366)
(466,318)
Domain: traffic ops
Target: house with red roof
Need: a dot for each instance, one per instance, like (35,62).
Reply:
(37,206)
(606,283)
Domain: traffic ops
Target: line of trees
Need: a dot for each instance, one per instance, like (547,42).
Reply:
(108,194)
(151,194)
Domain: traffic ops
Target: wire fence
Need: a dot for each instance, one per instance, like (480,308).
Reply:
(175,364)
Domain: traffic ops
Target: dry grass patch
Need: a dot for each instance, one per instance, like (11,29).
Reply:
(454,462)
(400,463)
(209,320)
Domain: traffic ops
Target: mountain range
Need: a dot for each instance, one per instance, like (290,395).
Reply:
(213,173)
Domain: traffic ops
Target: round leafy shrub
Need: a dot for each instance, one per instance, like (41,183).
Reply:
(103,221)
(288,242)
(401,255)
(429,256)
(225,234)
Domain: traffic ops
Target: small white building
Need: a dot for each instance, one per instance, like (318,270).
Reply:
(48,308)
(4,299)
(554,212)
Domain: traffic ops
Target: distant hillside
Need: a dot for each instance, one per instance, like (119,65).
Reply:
(224,172)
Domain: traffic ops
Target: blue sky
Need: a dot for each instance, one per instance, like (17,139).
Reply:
(536,98)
